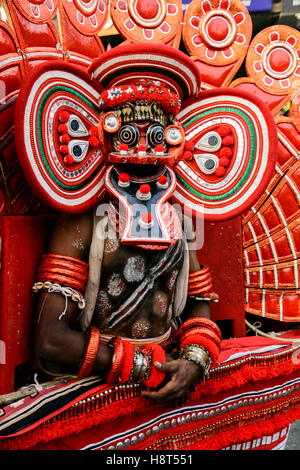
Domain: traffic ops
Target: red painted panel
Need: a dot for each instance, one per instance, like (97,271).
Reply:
(23,239)
(222,251)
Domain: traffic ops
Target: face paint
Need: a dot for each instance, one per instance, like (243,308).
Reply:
(141,133)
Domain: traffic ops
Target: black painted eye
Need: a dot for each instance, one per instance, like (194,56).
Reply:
(155,135)
(74,125)
(78,149)
(76,128)
(129,135)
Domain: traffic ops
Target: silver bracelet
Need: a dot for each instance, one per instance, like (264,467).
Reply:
(140,367)
(198,355)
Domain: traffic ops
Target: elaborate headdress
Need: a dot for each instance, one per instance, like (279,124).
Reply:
(224,158)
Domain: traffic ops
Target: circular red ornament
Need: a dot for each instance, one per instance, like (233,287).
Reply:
(142,148)
(94,142)
(223,130)
(228,140)
(69,159)
(189,146)
(147,218)
(123,148)
(225,152)
(64,116)
(63,128)
(220,171)
(64,149)
(187,155)
(159,148)
(147,10)
(224,162)
(218,28)
(124,178)
(162,180)
(279,59)
(65,139)
(144,189)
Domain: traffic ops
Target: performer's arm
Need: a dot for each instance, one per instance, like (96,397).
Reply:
(184,373)
(56,339)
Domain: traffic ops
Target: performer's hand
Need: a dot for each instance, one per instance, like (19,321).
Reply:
(183,376)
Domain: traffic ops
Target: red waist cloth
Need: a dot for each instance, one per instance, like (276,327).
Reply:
(253,392)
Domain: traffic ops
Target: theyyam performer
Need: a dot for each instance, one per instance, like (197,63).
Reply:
(131,150)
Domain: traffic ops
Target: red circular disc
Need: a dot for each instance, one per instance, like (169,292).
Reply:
(217,32)
(273,60)
(87,16)
(37,11)
(147,21)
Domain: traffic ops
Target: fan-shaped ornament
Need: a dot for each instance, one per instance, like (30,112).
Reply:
(88,16)
(273,60)
(37,11)
(56,136)
(150,21)
(235,147)
(217,31)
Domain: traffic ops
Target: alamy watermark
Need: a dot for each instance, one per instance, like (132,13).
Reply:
(296,355)
(2,352)
(193,228)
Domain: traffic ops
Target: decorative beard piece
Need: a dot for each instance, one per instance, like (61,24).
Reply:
(144,216)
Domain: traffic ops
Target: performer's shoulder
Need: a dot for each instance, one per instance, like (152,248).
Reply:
(72,234)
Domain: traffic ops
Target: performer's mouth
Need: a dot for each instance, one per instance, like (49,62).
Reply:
(142,156)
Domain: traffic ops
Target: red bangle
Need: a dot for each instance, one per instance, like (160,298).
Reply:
(118,358)
(199,279)
(156,376)
(201,331)
(196,290)
(62,272)
(63,258)
(127,363)
(63,280)
(200,287)
(200,272)
(206,343)
(201,322)
(91,353)
(200,283)
(71,272)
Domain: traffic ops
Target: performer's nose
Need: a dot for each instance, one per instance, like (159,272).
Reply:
(142,140)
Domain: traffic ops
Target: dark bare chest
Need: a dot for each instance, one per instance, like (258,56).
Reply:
(137,289)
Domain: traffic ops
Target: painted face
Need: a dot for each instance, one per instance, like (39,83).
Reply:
(140,133)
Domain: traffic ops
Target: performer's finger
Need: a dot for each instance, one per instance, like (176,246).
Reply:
(166,367)
(164,393)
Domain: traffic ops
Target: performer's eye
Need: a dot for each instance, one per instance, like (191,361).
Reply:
(128,134)
(76,128)
(155,135)
(78,149)
(210,142)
